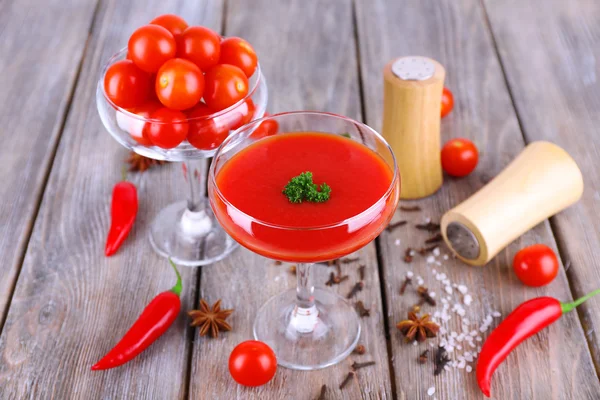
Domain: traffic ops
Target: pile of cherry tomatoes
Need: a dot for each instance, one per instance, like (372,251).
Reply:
(176,76)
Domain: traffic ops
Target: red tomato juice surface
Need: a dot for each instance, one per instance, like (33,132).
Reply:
(261,217)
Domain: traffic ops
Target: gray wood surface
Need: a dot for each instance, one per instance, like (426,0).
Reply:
(455,33)
(560,102)
(289,53)
(72,304)
(41,50)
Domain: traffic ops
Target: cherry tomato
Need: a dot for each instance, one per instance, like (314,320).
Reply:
(171,22)
(266,128)
(252,363)
(135,126)
(205,134)
(238,52)
(225,85)
(200,45)
(126,85)
(179,84)
(459,157)
(447,102)
(169,128)
(536,265)
(151,46)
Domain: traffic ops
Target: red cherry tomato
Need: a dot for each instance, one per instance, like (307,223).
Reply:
(200,45)
(536,265)
(238,52)
(150,47)
(447,102)
(459,157)
(225,85)
(205,134)
(126,85)
(171,22)
(252,363)
(135,126)
(168,128)
(179,84)
(266,128)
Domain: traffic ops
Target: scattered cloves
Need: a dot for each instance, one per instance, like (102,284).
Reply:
(356,365)
(423,357)
(424,293)
(435,239)
(395,225)
(410,209)
(277,262)
(355,289)
(430,227)
(424,250)
(293,269)
(362,310)
(441,359)
(349,260)
(361,272)
(408,255)
(335,279)
(407,281)
(360,349)
(347,380)
(322,393)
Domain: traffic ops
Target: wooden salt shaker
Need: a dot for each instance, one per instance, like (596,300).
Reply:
(539,183)
(412,98)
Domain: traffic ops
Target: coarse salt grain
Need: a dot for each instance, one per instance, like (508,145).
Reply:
(469,368)
(431,391)
(468,357)
(436,251)
(462,364)
(448,289)
(410,274)
(467,299)
(496,314)
(445,256)
(432,294)
(478,338)
(463,289)
(427,220)
(415,343)
(444,300)
(433,271)
(420,281)
(459,347)
(397,242)
(430,260)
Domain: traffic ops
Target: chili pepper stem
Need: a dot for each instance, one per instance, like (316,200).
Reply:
(177,288)
(566,307)
(124,173)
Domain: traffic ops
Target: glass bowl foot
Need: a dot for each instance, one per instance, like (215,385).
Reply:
(308,339)
(190,238)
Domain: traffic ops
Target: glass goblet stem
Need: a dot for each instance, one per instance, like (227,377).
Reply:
(194,173)
(305,314)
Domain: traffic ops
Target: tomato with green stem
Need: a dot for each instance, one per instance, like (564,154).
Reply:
(224,86)
(179,84)
(150,46)
(252,363)
(459,157)
(536,265)
(126,85)
(447,102)
(167,128)
(200,45)
(171,22)
(236,51)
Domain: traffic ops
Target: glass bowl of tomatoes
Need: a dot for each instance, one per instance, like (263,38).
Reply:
(174,94)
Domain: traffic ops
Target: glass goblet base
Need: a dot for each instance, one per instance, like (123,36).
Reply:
(190,238)
(308,338)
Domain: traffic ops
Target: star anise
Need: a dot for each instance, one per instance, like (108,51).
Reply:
(418,328)
(210,319)
(139,163)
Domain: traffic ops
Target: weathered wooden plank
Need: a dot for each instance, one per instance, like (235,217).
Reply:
(42,49)
(72,304)
(550,52)
(455,33)
(307,51)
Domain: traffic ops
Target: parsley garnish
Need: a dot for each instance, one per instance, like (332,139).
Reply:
(301,188)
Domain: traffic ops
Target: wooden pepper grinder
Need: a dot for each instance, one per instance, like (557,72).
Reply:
(539,183)
(412,98)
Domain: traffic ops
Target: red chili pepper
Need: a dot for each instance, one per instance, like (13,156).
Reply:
(526,320)
(156,318)
(123,210)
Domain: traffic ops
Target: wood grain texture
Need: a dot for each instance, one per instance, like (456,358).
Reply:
(41,49)
(307,52)
(550,51)
(71,304)
(455,34)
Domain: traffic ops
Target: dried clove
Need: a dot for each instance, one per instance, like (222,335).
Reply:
(395,225)
(362,310)
(335,279)
(423,357)
(349,260)
(277,262)
(355,289)
(360,349)
(407,281)
(361,272)
(424,250)
(410,209)
(430,227)
(424,293)
(356,365)
(441,359)
(322,393)
(348,378)
(435,239)
(293,269)
(408,255)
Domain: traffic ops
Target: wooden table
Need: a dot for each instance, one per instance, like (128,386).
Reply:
(520,71)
